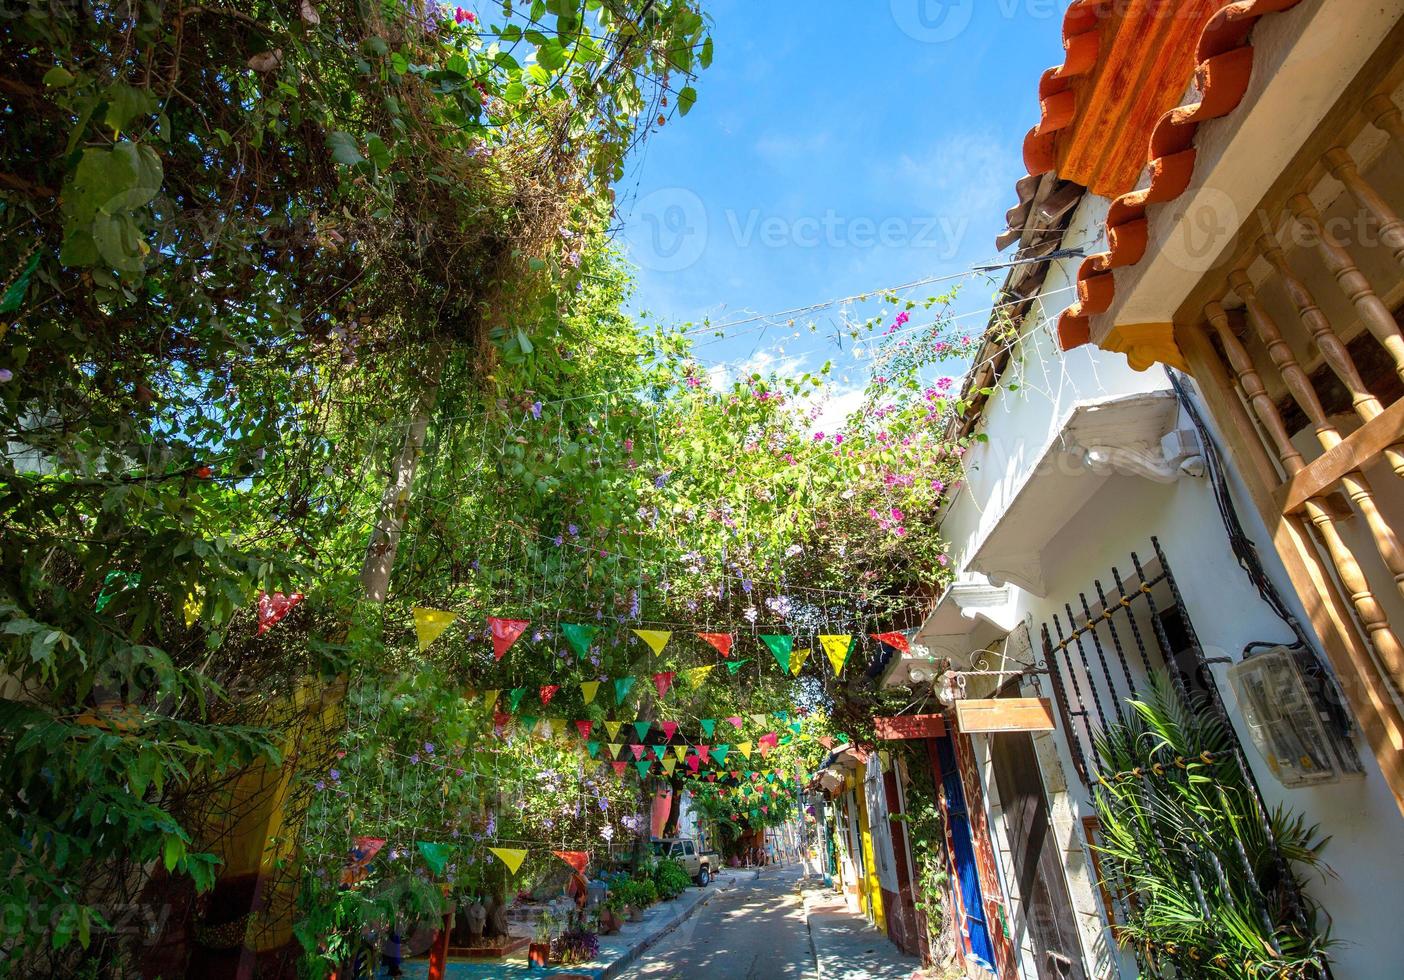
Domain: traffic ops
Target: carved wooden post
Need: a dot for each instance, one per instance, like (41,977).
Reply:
(1344,169)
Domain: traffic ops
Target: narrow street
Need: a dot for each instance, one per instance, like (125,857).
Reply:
(755,931)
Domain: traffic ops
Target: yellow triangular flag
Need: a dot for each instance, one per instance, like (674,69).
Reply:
(490,697)
(697,675)
(836,649)
(760,720)
(430,623)
(797,660)
(745,749)
(510,856)
(680,751)
(613,728)
(590,689)
(614,748)
(656,639)
(669,765)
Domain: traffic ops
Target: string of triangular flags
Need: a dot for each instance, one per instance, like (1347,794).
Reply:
(430,624)
(437,854)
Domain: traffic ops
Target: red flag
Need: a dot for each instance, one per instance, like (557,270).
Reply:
(764,808)
(272,608)
(576,859)
(619,767)
(638,751)
(704,751)
(500,720)
(722,641)
(896,640)
(769,738)
(711,777)
(663,681)
(669,727)
(505,633)
(694,763)
(584,728)
(548,691)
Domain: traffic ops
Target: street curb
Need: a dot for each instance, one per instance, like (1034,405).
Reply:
(636,952)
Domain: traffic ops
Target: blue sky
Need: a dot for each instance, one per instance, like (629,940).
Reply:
(836,147)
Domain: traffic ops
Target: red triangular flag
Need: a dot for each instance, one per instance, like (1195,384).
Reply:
(765,809)
(711,777)
(638,751)
(619,767)
(764,749)
(722,641)
(548,691)
(576,859)
(704,751)
(663,681)
(505,633)
(272,608)
(669,727)
(896,640)
(500,720)
(694,763)
(584,727)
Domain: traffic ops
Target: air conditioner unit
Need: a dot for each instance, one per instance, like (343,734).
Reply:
(1286,722)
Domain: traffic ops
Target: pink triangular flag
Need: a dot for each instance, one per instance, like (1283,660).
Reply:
(694,763)
(584,727)
(704,751)
(669,727)
(722,641)
(736,721)
(272,608)
(505,633)
(638,751)
(548,691)
(663,681)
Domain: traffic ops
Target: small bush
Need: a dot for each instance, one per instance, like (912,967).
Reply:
(671,879)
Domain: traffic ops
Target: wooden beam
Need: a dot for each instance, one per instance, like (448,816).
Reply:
(1005,715)
(1365,690)
(1355,452)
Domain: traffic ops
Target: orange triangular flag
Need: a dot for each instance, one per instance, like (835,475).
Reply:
(722,642)
(576,859)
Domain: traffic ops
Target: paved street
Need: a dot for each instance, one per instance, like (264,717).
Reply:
(754,932)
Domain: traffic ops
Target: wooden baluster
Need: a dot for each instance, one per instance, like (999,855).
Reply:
(1357,488)
(1344,169)
(1385,115)
(1367,607)
(1373,313)
(1328,342)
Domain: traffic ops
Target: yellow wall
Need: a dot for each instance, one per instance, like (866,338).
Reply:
(870,890)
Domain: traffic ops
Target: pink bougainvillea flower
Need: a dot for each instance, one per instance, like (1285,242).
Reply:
(902,318)
(461,16)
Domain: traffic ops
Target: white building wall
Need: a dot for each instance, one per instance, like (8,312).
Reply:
(1121,514)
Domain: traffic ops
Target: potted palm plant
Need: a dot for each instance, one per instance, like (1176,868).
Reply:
(539,951)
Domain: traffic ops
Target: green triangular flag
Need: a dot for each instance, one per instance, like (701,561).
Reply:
(514,698)
(783,715)
(709,726)
(719,753)
(435,855)
(579,637)
(529,723)
(796,727)
(733,666)
(643,766)
(780,647)
(621,688)
(642,728)
(594,748)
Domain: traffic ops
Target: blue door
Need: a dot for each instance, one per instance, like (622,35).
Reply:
(967,874)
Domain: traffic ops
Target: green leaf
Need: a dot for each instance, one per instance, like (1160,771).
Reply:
(125,103)
(58,77)
(379,153)
(686,99)
(344,149)
(524,342)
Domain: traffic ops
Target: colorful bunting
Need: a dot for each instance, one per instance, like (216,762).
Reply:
(584,727)
(579,637)
(669,765)
(529,723)
(703,751)
(721,641)
(719,753)
(505,633)
(271,608)
(744,748)
(429,624)
(680,751)
(643,766)
(897,641)
(614,749)
(759,719)
(663,681)
(837,648)
(588,690)
(735,721)
(619,767)
(732,666)
(548,691)
(696,676)
(656,639)
(694,763)
(490,697)
(500,721)
(514,698)
(638,751)
(613,728)
(669,727)
(594,748)
(780,647)
(709,726)
(797,661)
(510,856)
(576,859)
(622,686)
(643,728)
(435,855)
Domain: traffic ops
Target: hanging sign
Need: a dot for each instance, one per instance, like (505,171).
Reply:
(1005,715)
(909,726)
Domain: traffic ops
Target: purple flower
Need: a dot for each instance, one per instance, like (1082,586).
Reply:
(335,775)
(6,375)
(321,785)
(429,747)
(574,531)
(558,540)
(661,480)
(536,410)
(415,758)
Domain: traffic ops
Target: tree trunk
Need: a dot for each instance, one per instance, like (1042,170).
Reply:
(670,829)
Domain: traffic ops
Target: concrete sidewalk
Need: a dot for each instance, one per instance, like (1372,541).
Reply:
(617,952)
(847,946)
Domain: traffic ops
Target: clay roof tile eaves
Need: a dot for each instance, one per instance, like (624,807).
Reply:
(1221,80)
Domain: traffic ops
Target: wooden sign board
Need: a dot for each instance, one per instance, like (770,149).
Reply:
(1005,715)
(910,726)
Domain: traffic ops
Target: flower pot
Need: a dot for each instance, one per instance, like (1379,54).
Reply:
(636,915)
(610,921)
(539,954)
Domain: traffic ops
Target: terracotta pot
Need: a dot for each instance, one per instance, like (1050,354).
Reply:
(610,921)
(636,915)
(539,954)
